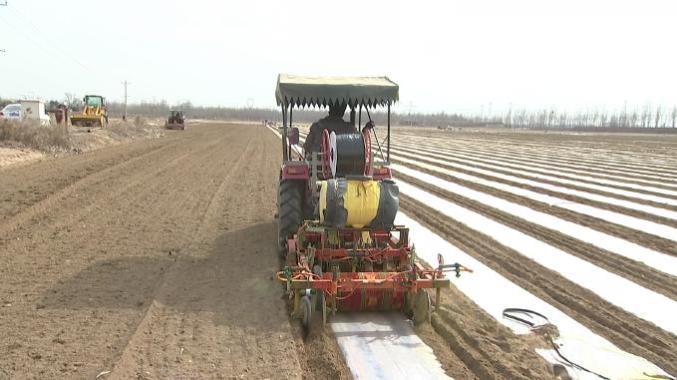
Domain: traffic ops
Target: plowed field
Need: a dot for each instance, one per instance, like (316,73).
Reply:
(154,259)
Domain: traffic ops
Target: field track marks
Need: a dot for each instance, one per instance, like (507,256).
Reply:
(659,200)
(543,163)
(640,273)
(88,179)
(86,270)
(554,171)
(640,163)
(630,207)
(616,289)
(624,329)
(646,233)
(217,311)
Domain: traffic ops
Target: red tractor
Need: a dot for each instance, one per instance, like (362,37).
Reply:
(337,207)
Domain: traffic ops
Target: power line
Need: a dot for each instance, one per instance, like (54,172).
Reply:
(30,38)
(45,36)
(40,39)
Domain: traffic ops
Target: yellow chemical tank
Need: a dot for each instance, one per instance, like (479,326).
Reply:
(358,203)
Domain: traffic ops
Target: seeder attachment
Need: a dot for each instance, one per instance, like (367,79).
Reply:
(357,269)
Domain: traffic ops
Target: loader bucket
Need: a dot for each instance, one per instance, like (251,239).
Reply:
(86,120)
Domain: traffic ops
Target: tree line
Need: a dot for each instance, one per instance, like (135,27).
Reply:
(645,117)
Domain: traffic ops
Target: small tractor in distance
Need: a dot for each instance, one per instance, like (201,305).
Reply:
(337,206)
(175,120)
(94,112)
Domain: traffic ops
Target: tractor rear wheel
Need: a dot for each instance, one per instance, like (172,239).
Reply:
(309,205)
(289,212)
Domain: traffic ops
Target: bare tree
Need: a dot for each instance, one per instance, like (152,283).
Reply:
(73,101)
(633,119)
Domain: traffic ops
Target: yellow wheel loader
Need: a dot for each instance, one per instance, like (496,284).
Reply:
(94,112)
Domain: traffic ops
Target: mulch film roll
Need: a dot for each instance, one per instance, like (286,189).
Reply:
(350,154)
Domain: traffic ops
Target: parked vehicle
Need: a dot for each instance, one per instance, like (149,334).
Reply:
(11,112)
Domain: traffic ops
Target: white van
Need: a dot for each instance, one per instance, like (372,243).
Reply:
(11,112)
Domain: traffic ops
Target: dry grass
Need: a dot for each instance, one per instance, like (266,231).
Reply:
(138,127)
(58,139)
(30,134)
(127,128)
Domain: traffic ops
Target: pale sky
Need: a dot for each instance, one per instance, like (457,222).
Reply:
(452,56)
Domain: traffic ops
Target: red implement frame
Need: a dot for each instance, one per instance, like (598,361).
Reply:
(355,290)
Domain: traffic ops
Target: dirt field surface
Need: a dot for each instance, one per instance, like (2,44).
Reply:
(14,156)
(154,258)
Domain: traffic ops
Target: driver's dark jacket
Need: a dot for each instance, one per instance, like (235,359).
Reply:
(334,124)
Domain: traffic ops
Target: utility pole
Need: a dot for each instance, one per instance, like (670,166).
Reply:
(124,116)
(250,105)
(409,115)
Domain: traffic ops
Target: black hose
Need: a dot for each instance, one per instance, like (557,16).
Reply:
(507,313)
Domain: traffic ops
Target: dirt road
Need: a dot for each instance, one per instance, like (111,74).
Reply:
(151,259)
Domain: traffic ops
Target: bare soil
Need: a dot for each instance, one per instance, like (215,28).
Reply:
(153,258)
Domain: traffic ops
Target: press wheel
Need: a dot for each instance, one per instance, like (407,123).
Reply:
(421,307)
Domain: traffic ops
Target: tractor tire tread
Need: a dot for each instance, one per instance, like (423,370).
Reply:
(290,205)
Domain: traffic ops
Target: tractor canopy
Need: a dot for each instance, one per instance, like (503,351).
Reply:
(314,91)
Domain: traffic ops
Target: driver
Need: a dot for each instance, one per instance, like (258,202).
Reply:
(333,123)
